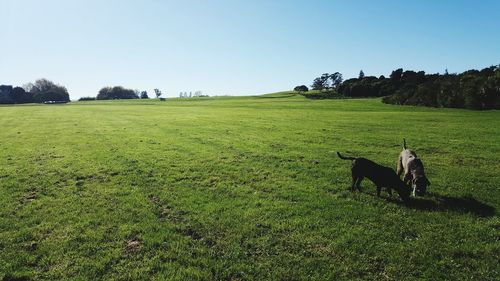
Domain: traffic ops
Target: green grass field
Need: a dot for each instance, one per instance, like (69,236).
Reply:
(243,188)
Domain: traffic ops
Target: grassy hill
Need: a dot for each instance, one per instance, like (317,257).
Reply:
(243,188)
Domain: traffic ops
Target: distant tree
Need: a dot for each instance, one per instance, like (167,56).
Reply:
(158,93)
(28,87)
(45,85)
(449,91)
(317,84)
(9,95)
(301,89)
(396,75)
(18,95)
(361,74)
(5,94)
(336,79)
(144,95)
(321,83)
(103,93)
(473,89)
(488,71)
(44,90)
(117,92)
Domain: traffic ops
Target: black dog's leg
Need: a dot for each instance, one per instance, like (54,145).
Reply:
(354,180)
(358,183)
(379,188)
(389,190)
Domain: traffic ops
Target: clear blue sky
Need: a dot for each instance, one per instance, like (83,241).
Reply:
(237,47)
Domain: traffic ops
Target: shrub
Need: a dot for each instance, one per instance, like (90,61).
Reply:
(86,98)
(117,92)
(330,94)
(55,96)
(301,88)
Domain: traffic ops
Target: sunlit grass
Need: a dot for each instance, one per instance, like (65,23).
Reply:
(243,188)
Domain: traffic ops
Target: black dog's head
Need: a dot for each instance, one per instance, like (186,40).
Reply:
(404,191)
(419,185)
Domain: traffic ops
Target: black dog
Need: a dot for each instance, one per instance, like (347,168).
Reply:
(380,175)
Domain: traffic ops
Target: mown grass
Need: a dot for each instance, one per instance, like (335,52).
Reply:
(244,188)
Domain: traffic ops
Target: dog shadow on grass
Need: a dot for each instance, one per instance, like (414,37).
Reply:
(464,204)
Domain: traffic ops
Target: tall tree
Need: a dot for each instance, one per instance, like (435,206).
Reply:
(336,79)
(396,75)
(361,74)
(317,84)
(321,83)
(158,93)
(45,90)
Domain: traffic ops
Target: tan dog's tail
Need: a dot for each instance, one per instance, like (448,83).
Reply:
(404,143)
(345,157)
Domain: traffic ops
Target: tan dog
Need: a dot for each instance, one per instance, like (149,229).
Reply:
(413,169)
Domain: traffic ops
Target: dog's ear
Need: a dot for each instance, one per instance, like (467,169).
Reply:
(427,180)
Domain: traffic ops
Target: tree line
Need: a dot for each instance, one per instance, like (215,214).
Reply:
(472,89)
(46,91)
(119,92)
(41,91)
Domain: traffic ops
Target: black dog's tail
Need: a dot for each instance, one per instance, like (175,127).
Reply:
(404,143)
(344,157)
